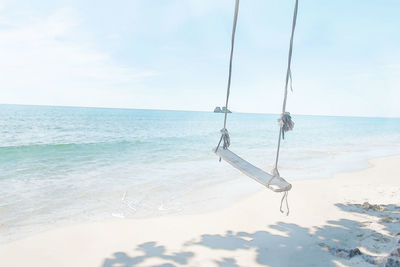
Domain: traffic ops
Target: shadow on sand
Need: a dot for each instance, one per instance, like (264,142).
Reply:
(150,250)
(334,243)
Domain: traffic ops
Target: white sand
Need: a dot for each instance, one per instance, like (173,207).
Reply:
(324,215)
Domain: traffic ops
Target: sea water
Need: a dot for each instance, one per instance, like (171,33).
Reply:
(61,165)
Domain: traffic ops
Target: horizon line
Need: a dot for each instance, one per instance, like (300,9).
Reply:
(185,110)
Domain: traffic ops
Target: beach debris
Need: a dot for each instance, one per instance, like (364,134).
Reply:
(391,259)
(387,220)
(395,252)
(373,259)
(382,261)
(390,262)
(341,252)
(381,239)
(367,206)
(346,253)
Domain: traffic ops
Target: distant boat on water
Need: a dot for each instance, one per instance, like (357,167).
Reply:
(221,110)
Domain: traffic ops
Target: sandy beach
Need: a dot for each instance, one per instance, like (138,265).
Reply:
(148,133)
(329,219)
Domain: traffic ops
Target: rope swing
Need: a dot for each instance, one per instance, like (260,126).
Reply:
(224,132)
(273,181)
(285,121)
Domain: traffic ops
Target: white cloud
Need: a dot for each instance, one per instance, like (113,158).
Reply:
(47,60)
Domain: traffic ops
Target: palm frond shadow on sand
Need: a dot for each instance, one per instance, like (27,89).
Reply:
(334,243)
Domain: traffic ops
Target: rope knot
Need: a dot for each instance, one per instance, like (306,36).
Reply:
(275,173)
(286,123)
(226,138)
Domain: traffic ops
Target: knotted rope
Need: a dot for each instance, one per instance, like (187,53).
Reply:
(224,131)
(286,123)
(276,175)
(285,120)
(226,138)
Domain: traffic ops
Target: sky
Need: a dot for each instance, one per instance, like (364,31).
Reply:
(174,54)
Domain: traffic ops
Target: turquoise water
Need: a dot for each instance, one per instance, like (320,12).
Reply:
(64,164)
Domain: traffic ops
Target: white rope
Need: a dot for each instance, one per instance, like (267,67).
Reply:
(224,131)
(276,175)
(285,120)
(286,124)
(285,196)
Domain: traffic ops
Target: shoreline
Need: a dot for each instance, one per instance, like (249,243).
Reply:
(320,222)
(366,164)
(79,170)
